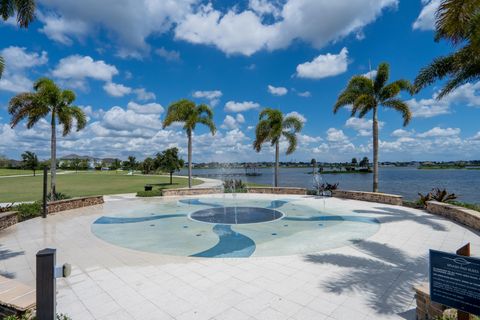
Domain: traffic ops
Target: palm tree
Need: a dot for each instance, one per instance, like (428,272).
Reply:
(131,163)
(459,23)
(272,126)
(190,115)
(48,99)
(313,162)
(30,161)
(365,95)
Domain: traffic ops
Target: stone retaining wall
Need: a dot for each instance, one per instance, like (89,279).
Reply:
(468,217)
(369,196)
(8,219)
(190,192)
(426,309)
(278,190)
(74,203)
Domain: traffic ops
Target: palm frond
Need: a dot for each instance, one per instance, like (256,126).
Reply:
(2,66)
(79,116)
(203,108)
(178,112)
(292,141)
(363,104)
(7,8)
(293,122)
(262,133)
(437,70)
(383,73)
(25,12)
(401,107)
(357,86)
(393,89)
(207,121)
(453,19)
(19,107)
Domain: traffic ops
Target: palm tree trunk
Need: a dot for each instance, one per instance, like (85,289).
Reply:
(375,149)
(53,158)
(277,162)
(171,179)
(189,133)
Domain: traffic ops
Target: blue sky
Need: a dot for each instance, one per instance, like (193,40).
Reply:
(237,56)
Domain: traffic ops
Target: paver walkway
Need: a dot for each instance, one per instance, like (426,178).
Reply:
(369,279)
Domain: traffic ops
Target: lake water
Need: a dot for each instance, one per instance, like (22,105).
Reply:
(407,182)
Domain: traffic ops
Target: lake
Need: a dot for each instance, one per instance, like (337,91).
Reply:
(405,181)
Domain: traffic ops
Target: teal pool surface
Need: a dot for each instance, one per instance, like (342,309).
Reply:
(216,227)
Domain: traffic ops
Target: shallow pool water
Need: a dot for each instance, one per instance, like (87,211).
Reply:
(216,227)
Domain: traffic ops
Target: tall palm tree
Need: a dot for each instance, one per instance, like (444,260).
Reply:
(365,95)
(30,161)
(190,115)
(272,126)
(48,99)
(459,23)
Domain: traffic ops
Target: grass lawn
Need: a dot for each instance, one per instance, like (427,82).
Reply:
(13,172)
(84,184)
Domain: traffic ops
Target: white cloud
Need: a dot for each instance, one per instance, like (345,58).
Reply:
(336,135)
(119,119)
(232,122)
(148,108)
(277,91)
(169,55)
(144,95)
(402,133)
(17,62)
(305,94)
(362,126)
(264,7)
(440,132)
(426,18)
(467,94)
(212,96)
(61,30)
(116,89)
(323,66)
(313,21)
(232,106)
(128,22)
(298,115)
(75,69)
(370,74)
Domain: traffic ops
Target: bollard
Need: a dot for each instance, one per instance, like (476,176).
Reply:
(46,286)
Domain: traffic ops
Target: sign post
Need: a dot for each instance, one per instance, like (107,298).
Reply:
(463,251)
(455,281)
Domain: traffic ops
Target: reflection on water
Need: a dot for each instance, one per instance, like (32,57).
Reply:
(407,182)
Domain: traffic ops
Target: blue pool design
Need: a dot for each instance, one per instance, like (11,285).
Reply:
(232,228)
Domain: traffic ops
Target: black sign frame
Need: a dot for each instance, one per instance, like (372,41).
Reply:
(455,281)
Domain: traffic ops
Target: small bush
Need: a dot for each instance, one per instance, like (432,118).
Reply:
(28,210)
(234,185)
(151,193)
(58,196)
(437,194)
(29,316)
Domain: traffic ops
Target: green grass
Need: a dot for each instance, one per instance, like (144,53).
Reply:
(13,172)
(84,184)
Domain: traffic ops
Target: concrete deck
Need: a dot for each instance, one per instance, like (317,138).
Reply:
(369,279)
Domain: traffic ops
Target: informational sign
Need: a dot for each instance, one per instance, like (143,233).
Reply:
(455,281)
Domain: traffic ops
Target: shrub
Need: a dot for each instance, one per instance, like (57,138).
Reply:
(28,210)
(234,185)
(150,193)
(29,316)
(437,194)
(58,196)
